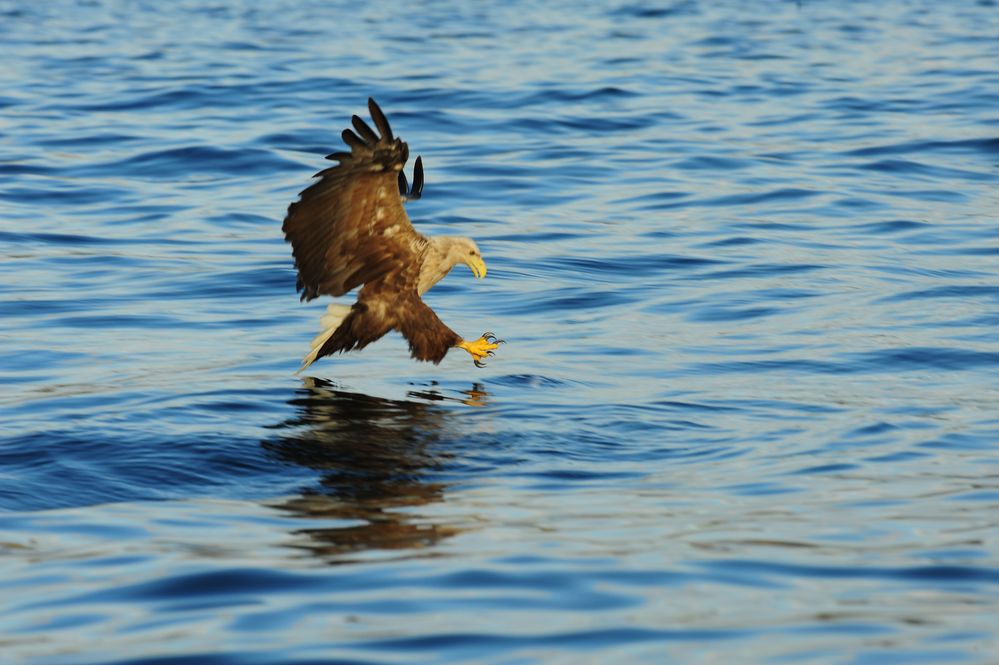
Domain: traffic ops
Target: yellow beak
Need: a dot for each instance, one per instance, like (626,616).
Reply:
(477,265)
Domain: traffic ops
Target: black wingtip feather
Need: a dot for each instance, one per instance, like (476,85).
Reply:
(338,156)
(417,178)
(352,139)
(381,122)
(364,130)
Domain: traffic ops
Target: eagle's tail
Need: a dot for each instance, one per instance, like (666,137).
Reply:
(331,320)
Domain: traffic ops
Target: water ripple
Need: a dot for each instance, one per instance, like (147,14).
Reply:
(744,264)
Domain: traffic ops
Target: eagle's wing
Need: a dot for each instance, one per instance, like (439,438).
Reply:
(350,227)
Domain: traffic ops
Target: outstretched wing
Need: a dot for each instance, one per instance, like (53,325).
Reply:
(350,227)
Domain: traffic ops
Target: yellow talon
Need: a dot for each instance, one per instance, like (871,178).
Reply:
(481,347)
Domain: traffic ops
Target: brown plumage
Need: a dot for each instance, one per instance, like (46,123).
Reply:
(350,229)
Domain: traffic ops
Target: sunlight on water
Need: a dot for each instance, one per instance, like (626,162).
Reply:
(743,257)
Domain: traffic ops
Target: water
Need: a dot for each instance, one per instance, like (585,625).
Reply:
(744,256)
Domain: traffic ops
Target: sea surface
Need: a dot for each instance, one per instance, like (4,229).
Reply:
(744,256)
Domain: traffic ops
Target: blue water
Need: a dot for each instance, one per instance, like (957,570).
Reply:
(743,254)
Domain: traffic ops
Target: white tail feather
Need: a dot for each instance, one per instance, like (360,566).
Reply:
(330,321)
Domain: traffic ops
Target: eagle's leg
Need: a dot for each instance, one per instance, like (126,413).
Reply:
(481,348)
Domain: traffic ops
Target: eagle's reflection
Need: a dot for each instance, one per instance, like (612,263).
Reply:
(379,459)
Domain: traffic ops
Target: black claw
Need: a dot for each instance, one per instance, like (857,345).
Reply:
(479,363)
(490,353)
(500,341)
(403,185)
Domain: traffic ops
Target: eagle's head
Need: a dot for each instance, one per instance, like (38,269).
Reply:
(467,252)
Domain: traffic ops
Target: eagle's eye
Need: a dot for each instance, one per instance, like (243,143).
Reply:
(471,252)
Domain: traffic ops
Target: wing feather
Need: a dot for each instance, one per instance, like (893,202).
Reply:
(381,122)
(356,143)
(363,130)
(350,227)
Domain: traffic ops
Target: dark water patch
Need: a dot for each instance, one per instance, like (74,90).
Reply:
(978,251)
(677,9)
(923,358)
(856,203)
(500,643)
(217,584)
(64,239)
(788,294)
(910,168)
(202,98)
(568,153)
(935,575)
(853,107)
(892,226)
(552,236)
(761,366)
(21,307)
(873,430)
(782,120)
(527,381)
(824,468)
(599,125)
(896,458)
(958,291)
(733,313)
(929,195)
(307,141)
(238,219)
(226,284)
(735,241)
(553,478)
(988,146)
(705,163)
(615,268)
(235,657)
(960,441)
(193,160)
(761,489)
(110,467)
(761,270)
(64,195)
(104,321)
(750,199)
(17,168)
(100,140)
(656,200)
(567,299)
(550,95)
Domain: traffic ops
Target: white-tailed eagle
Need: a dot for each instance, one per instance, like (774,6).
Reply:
(350,229)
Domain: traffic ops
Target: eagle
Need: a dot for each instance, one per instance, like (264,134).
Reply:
(349,229)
